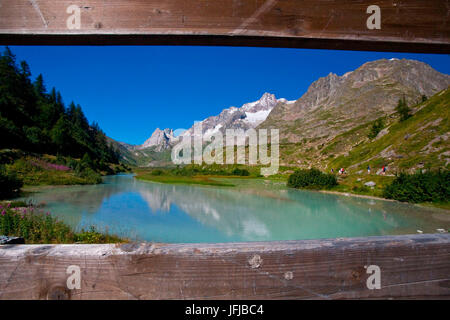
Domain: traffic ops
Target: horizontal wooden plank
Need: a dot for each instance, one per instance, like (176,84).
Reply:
(405,25)
(411,266)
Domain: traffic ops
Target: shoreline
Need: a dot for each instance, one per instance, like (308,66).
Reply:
(420,205)
(349,194)
(37,187)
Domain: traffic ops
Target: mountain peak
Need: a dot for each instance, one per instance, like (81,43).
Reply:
(267,95)
(159,138)
(267,101)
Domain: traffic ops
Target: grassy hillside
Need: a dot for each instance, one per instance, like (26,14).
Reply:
(420,142)
(146,156)
(43,169)
(141,158)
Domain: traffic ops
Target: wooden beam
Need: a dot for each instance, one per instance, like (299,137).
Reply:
(411,266)
(406,25)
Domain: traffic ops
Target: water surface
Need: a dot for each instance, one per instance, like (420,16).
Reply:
(254,210)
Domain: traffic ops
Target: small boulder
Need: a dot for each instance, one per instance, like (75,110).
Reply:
(11,240)
(370,184)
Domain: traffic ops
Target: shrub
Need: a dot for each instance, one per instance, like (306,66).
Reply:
(157,172)
(240,172)
(41,164)
(311,179)
(9,182)
(362,189)
(403,109)
(377,126)
(39,227)
(8,156)
(72,163)
(93,236)
(90,176)
(22,166)
(420,187)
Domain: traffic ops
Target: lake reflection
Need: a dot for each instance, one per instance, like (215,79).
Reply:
(254,210)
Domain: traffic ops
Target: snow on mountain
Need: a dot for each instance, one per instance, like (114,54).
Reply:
(283,100)
(249,115)
(255,118)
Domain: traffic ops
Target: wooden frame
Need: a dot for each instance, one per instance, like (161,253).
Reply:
(405,25)
(411,267)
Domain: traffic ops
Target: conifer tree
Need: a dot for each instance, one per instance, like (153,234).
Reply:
(403,109)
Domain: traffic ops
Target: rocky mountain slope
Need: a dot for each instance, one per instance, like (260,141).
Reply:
(133,155)
(160,140)
(335,104)
(154,151)
(332,119)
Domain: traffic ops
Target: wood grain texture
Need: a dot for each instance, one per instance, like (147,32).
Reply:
(406,25)
(416,266)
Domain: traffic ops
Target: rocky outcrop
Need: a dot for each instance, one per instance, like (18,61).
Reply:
(334,104)
(160,140)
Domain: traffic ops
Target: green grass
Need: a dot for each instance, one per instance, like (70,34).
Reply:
(29,169)
(440,205)
(206,174)
(52,178)
(146,156)
(350,184)
(43,169)
(36,226)
(346,139)
(409,150)
(198,180)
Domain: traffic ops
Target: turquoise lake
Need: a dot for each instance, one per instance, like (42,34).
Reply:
(254,210)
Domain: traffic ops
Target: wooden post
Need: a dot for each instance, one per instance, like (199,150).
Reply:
(387,25)
(411,266)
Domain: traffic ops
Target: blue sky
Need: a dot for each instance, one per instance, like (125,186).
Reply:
(131,90)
